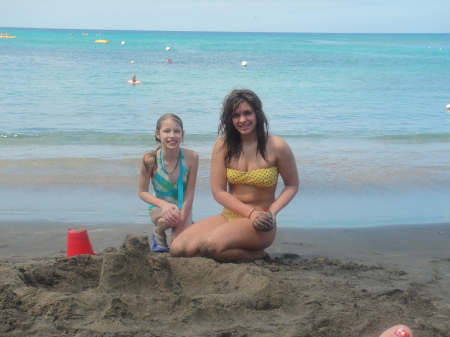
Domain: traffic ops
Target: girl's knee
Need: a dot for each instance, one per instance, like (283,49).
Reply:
(181,247)
(155,215)
(209,248)
(162,223)
(178,248)
(175,250)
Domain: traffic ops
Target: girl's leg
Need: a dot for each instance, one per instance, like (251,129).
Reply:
(160,225)
(236,240)
(397,331)
(186,244)
(178,229)
(159,238)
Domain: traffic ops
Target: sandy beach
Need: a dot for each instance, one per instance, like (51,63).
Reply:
(317,282)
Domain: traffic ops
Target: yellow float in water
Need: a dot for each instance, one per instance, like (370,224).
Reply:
(101,41)
(7,37)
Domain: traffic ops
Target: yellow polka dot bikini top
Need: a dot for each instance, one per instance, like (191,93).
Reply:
(265,177)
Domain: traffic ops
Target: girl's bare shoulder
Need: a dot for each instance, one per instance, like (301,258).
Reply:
(189,154)
(219,145)
(219,142)
(276,143)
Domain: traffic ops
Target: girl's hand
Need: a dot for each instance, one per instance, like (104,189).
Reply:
(264,221)
(171,214)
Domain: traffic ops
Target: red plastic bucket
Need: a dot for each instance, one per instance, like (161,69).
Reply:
(78,242)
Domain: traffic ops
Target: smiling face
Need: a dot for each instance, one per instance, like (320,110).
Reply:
(170,134)
(244,118)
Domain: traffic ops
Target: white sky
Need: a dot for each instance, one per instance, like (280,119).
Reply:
(333,16)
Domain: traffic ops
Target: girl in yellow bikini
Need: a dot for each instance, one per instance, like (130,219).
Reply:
(245,165)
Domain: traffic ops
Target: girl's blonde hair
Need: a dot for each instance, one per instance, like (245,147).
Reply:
(149,160)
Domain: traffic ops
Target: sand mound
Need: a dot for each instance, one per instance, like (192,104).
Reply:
(135,292)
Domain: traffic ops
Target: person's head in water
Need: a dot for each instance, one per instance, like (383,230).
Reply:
(133,79)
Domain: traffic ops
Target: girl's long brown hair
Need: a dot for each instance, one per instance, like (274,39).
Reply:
(231,136)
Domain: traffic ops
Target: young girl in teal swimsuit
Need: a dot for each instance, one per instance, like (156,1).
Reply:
(245,165)
(172,172)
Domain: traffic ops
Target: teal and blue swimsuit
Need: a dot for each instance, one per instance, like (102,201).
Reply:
(163,187)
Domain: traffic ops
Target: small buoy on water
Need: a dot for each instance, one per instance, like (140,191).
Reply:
(244,63)
(167,48)
(447,106)
(123,42)
(132,62)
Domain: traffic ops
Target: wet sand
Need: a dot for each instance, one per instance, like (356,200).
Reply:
(317,282)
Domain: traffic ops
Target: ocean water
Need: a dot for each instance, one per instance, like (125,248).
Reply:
(364,114)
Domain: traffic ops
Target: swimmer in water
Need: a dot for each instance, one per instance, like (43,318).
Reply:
(134,80)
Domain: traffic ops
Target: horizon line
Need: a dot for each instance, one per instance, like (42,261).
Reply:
(221,31)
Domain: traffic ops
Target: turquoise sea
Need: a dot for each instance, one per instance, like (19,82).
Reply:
(365,115)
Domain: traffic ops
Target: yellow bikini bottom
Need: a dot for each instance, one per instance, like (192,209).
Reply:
(229,215)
